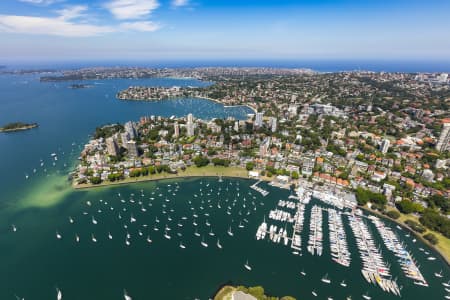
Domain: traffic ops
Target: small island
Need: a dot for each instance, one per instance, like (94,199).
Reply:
(240,292)
(18,126)
(80,86)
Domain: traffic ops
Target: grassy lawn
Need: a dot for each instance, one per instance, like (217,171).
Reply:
(189,172)
(444,243)
(225,293)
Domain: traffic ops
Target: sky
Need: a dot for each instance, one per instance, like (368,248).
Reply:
(33,30)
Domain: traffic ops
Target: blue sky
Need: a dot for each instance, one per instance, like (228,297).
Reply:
(217,29)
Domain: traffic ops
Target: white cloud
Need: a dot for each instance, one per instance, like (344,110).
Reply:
(72,12)
(131,9)
(40,2)
(49,26)
(147,26)
(179,3)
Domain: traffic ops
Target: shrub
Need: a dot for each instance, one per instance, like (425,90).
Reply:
(431,238)
(393,214)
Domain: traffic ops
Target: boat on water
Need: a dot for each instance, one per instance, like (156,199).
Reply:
(93,238)
(314,293)
(303,273)
(203,243)
(77,238)
(230,233)
(446,284)
(109,236)
(366,296)
(58,294)
(94,221)
(247,266)
(343,283)
(325,279)
(431,258)
(126,296)
(148,239)
(182,246)
(439,275)
(218,244)
(166,235)
(14,228)
(58,236)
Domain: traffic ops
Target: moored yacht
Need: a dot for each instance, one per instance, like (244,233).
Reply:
(247,266)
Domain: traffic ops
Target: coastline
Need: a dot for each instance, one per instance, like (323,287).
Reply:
(191,172)
(22,128)
(439,252)
(198,97)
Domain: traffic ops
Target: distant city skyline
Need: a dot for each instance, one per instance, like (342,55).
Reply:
(207,30)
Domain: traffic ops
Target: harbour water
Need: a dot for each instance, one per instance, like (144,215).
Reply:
(35,261)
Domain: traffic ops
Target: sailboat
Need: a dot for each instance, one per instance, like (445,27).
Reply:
(109,236)
(211,233)
(148,239)
(247,266)
(366,296)
(125,295)
(325,279)
(94,221)
(77,238)
(166,235)
(230,233)
(14,228)
(303,273)
(314,293)
(446,284)
(196,233)
(71,220)
(438,274)
(203,243)
(58,294)
(218,244)
(93,238)
(343,283)
(58,236)
(182,246)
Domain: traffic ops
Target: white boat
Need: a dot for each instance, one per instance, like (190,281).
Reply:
(127,242)
(366,296)
(58,294)
(325,279)
(166,235)
(182,246)
(314,293)
(247,266)
(439,275)
(218,244)
(125,295)
(431,258)
(94,221)
(93,238)
(109,236)
(203,243)
(303,273)
(230,233)
(14,228)
(71,220)
(148,239)
(343,283)
(446,284)
(58,236)
(77,238)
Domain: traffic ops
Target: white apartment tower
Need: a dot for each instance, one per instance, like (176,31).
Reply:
(384,147)
(190,125)
(443,143)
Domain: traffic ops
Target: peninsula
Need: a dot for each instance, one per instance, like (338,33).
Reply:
(251,293)
(18,126)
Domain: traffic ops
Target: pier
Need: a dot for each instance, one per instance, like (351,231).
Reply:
(258,189)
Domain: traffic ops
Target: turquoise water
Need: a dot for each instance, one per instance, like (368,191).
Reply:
(34,262)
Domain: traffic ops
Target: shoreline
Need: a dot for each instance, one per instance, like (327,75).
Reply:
(23,128)
(197,97)
(404,226)
(211,172)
